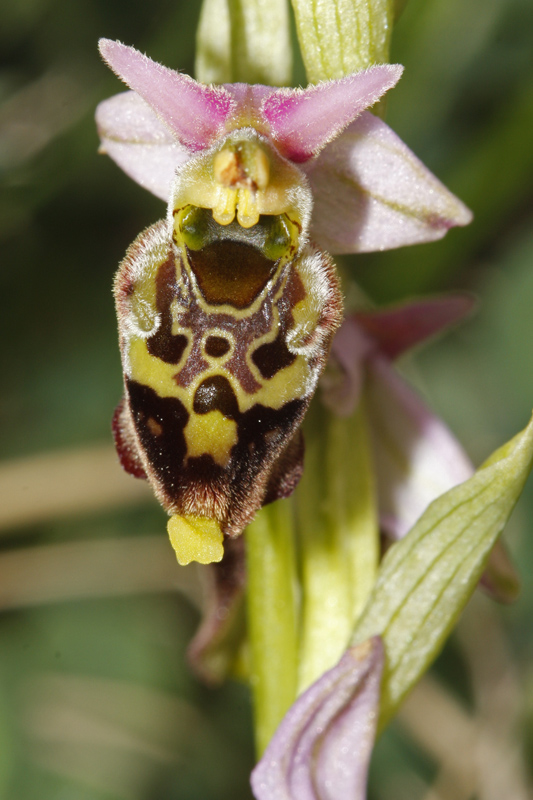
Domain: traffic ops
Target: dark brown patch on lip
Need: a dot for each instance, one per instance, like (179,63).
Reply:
(164,344)
(159,422)
(197,485)
(216,394)
(240,487)
(231,273)
(272,357)
(167,348)
(217,346)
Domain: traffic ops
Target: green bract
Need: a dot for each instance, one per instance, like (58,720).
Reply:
(338,37)
(426,579)
(244,40)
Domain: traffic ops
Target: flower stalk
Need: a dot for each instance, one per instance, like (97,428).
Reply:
(272,610)
(338,536)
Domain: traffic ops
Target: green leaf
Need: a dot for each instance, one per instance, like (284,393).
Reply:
(338,37)
(244,40)
(426,579)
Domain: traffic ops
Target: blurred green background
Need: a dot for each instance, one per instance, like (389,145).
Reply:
(96,699)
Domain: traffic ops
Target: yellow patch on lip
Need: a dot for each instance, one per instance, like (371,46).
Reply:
(195,539)
(210,433)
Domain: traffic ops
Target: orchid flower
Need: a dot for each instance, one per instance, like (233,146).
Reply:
(369,191)
(284,173)
(293,175)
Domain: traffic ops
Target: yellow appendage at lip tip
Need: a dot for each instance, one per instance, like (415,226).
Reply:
(196,539)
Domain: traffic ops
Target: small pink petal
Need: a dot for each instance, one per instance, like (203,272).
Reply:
(136,139)
(372,193)
(195,113)
(400,328)
(322,747)
(416,457)
(303,121)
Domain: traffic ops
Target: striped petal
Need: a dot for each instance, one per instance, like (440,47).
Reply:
(322,748)
(399,328)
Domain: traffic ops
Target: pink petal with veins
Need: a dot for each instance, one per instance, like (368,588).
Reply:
(372,193)
(195,113)
(303,121)
(322,747)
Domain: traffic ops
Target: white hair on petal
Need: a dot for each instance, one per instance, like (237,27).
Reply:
(147,252)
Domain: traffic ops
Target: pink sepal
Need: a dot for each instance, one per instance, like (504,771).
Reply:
(399,328)
(372,193)
(195,113)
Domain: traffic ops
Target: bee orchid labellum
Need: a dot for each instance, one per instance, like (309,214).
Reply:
(226,315)
(228,308)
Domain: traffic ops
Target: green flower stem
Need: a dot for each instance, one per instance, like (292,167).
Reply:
(359,504)
(272,617)
(339,537)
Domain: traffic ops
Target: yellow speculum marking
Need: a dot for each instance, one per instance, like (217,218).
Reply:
(151,371)
(288,384)
(195,539)
(210,433)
